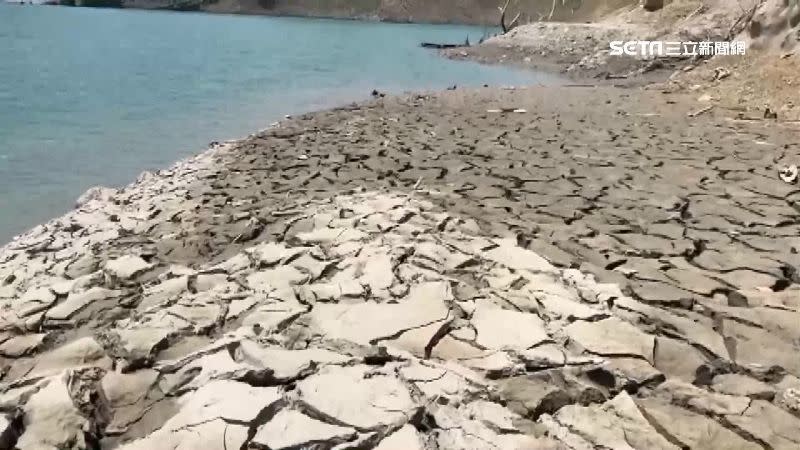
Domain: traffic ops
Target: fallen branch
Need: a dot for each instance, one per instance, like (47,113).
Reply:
(744,19)
(701,111)
(440,46)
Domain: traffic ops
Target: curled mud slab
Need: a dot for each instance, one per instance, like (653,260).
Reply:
(419,273)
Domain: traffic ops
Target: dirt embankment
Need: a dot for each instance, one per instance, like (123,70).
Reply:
(764,78)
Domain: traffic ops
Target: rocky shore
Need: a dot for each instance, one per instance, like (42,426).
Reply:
(431,271)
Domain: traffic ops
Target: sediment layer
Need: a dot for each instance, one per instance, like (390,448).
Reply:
(429,272)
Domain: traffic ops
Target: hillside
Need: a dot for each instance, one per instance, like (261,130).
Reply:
(480,12)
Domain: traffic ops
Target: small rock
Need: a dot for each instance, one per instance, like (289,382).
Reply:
(720,73)
(96,193)
(651,5)
(127,267)
(789,174)
(10,429)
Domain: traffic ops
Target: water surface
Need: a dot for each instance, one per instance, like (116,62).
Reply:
(94,96)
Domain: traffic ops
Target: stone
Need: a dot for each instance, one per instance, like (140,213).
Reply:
(127,267)
(291,429)
(501,328)
(353,398)
(789,394)
(616,424)
(612,337)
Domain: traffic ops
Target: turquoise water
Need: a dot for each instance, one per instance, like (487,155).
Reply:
(94,96)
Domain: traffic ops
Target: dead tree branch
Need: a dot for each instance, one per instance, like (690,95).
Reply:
(507,27)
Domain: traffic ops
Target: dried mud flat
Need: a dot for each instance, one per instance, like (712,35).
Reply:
(419,273)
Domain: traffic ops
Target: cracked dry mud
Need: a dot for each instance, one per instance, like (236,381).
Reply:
(417,273)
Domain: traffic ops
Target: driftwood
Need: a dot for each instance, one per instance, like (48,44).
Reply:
(435,45)
(701,111)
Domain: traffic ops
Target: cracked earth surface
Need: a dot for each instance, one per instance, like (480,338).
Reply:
(419,273)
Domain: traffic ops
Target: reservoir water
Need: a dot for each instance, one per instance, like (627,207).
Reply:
(95,96)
